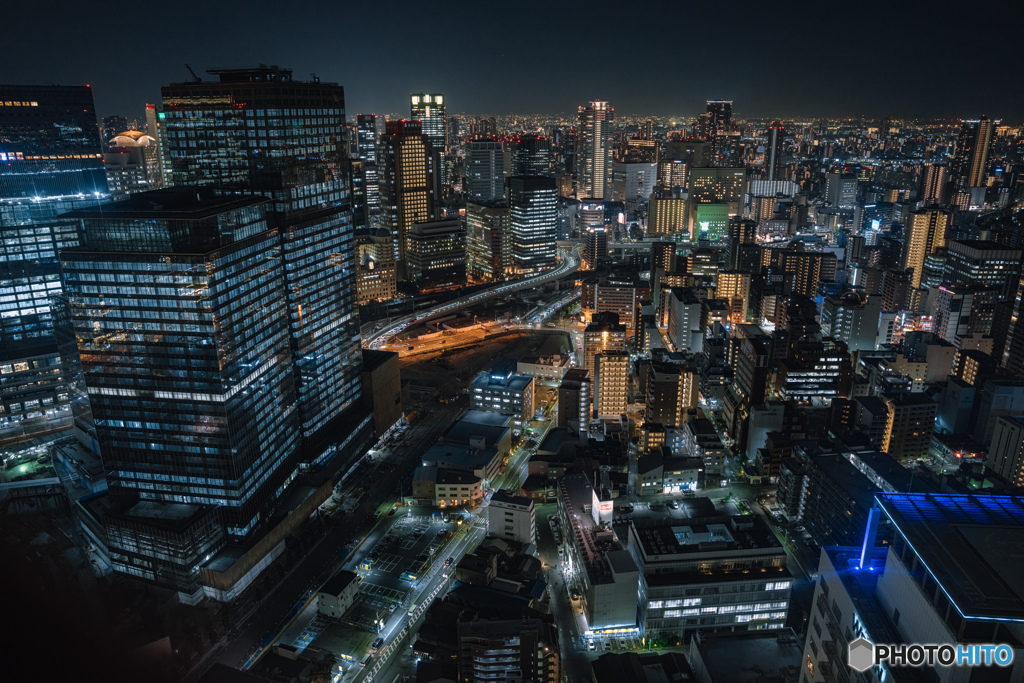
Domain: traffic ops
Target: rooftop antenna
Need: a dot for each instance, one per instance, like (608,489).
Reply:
(315,78)
(195,79)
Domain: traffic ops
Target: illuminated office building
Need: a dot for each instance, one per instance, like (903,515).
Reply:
(488,241)
(406,181)
(485,170)
(50,163)
(531,155)
(533,222)
(429,108)
(366,142)
(258,131)
(773,151)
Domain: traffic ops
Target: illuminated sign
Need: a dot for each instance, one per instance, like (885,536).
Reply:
(606,506)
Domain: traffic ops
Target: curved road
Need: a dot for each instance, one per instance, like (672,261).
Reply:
(570,262)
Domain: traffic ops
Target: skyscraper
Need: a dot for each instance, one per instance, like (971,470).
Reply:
(366,142)
(179,302)
(428,108)
(970,158)
(488,242)
(257,131)
(533,221)
(716,121)
(485,170)
(773,151)
(933,183)
(406,181)
(594,150)
(531,155)
(50,163)
(925,232)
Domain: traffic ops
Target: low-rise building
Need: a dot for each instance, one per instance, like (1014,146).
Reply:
(719,657)
(544,367)
(338,595)
(445,487)
(512,518)
(504,392)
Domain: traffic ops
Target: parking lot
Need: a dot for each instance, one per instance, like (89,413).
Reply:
(402,557)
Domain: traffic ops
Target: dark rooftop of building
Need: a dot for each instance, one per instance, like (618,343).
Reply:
(647,667)
(769,656)
(373,359)
(970,544)
(339,582)
(180,204)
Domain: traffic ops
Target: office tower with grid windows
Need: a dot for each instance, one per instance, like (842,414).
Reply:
(485,170)
(406,182)
(925,232)
(533,222)
(50,163)
(179,302)
(366,143)
(259,132)
(773,151)
(594,150)
(429,109)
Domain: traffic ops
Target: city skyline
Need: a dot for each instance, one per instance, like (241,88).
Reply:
(380,62)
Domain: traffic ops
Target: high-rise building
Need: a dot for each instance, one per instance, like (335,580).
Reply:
(436,256)
(734,287)
(574,394)
(50,163)
(611,384)
(533,222)
(376,279)
(855,320)
(179,301)
(773,151)
(633,182)
(934,179)
(485,170)
(366,144)
(963,310)
(1013,352)
(406,182)
(667,214)
(113,125)
(924,233)
(718,186)
(429,108)
(713,125)
(981,263)
(969,166)
(670,389)
(590,216)
(128,162)
(1006,453)
(531,155)
(603,335)
(159,161)
(594,150)
(234,133)
(910,425)
(841,189)
(488,242)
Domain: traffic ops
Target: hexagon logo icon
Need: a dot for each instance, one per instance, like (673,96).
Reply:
(861,654)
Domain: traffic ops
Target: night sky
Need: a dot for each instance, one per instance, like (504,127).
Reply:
(902,59)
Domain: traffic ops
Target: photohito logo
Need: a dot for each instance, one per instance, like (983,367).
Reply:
(863,654)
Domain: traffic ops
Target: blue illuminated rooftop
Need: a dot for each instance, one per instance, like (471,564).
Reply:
(970,544)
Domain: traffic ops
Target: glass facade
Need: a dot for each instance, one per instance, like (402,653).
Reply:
(50,163)
(180,308)
(258,131)
(533,220)
(366,133)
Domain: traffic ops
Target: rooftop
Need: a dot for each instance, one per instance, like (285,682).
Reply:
(459,456)
(337,584)
(373,359)
(172,204)
(970,544)
(751,656)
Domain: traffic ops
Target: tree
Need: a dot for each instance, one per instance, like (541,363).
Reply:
(322,671)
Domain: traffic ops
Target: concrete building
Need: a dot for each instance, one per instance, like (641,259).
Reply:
(512,518)
(611,384)
(382,389)
(734,287)
(485,170)
(593,560)
(633,182)
(1006,453)
(854,320)
(763,418)
(997,397)
(837,500)
(376,273)
(910,425)
(509,650)
(670,390)
(407,186)
(684,331)
(925,232)
(667,213)
(338,595)
(574,400)
(701,440)
(445,487)
(504,392)
(488,242)
(543,367)
(594,147)
(602,294)
(603,335)
(436,254)
(707,572)
(776,655)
